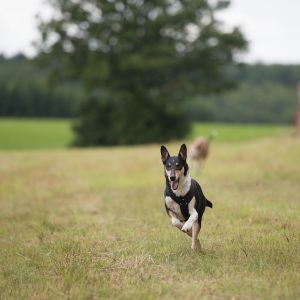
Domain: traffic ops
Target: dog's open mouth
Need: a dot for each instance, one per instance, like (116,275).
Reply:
(174,184)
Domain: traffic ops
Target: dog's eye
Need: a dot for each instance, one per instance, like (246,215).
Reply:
(168,167)
(178,166)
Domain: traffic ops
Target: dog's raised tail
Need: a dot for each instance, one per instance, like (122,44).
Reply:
(209,204)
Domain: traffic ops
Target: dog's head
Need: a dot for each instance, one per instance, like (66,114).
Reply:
(175,166)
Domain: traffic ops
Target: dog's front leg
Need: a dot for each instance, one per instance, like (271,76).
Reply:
(175,221)
(192,219)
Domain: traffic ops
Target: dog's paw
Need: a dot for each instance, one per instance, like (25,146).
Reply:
(196,245)
(186,227)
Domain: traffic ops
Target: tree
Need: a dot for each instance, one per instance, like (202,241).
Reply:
(140,60)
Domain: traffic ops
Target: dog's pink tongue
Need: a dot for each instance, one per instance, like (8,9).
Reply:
(174,184)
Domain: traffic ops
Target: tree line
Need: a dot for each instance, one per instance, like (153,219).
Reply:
(25,91)
(264,94)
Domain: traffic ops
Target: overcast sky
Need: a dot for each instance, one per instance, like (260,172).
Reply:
(271,26)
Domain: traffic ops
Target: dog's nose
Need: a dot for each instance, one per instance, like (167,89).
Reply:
(172,178)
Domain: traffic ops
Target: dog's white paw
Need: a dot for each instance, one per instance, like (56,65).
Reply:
(186,227)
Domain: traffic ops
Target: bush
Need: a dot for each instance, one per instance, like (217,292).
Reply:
(108,119)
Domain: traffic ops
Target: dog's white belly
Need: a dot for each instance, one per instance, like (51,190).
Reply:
(174,207)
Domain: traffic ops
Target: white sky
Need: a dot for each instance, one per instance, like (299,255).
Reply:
(271,26)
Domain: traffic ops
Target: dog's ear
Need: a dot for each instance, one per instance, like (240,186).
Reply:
(164,154)
(183,152)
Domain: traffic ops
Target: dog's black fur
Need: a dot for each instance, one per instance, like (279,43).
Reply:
(173,163)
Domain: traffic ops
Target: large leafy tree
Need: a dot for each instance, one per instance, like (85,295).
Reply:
(140,60)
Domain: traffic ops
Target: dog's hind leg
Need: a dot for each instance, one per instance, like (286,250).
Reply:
(195,232)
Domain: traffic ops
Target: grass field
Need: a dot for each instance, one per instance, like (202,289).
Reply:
(91,224)
(24,134)
(34,133)
(237,132)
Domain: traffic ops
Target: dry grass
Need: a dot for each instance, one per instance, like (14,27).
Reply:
(90,224)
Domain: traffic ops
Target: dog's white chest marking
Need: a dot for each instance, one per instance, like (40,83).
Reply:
(174,207)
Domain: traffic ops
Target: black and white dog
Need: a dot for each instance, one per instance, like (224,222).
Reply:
(184,200)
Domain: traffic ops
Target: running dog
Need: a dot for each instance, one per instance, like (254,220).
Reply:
(199,149)
(184,200)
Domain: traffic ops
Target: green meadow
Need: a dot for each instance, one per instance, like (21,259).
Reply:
(25,133)
(20,134)
(91,223)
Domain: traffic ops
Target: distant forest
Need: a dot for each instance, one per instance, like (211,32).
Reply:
(263,94)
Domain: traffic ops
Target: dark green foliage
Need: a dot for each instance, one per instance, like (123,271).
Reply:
(288,75)
(266,94)
(148,56)
(30,100)
(266,103)
(24,91)
(108,119)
